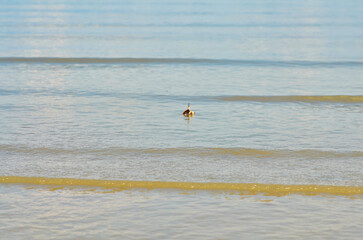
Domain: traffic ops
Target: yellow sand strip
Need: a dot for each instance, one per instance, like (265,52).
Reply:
(250,188)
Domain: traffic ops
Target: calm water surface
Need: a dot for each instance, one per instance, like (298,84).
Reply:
(92,90)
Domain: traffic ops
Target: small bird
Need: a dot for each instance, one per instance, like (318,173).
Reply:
(188,112)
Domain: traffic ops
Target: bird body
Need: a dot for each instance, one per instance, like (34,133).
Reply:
(188,112)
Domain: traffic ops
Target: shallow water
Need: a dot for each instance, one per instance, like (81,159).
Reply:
(171,214)
(94,92)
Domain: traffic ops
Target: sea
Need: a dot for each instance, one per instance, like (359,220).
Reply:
(93,143)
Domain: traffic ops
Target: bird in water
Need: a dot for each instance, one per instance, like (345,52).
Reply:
(188,112)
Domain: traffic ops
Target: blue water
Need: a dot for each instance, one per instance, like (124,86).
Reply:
(96,90)
(263,30)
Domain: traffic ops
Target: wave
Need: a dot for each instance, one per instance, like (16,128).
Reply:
(174,25)
(197,152)
(259,63)
(264,99)
(246,188)
(305,99)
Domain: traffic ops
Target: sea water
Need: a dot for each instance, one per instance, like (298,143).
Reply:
(93,143)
